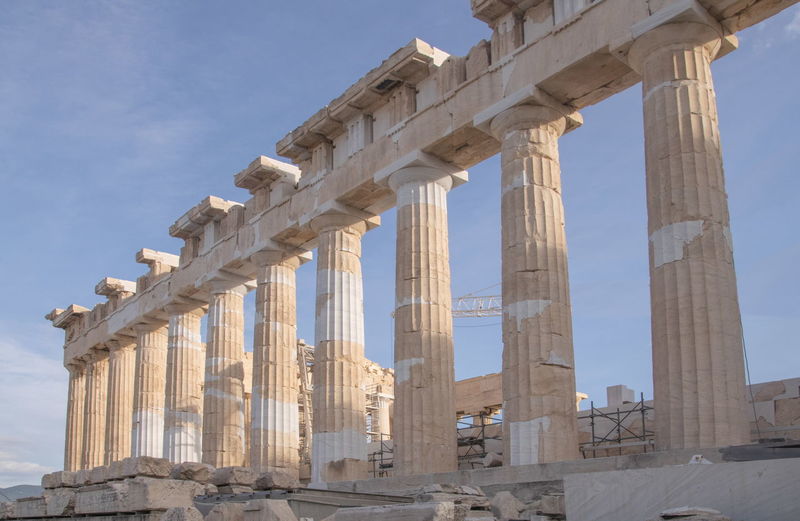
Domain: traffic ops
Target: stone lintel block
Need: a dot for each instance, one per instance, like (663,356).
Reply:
(140,466)
(7,510)
(268,510)
(82,477)
(151,257)
(110,286)
(60,501)
(191,223)
(182,514)
(264,171)
(59,479)
(233,476)
(276,479)
(98,475)
(136,495)
(27,507)
(192,471)
(67,316)
(234,489)
(443,511)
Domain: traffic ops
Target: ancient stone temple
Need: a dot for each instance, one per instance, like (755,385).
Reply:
(160,412)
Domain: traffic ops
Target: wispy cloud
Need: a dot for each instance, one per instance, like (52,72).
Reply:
(793,29)
(33,388)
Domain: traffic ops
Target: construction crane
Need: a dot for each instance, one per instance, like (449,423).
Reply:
(471,306)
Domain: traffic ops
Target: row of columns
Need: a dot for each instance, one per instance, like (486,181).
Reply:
(697,360)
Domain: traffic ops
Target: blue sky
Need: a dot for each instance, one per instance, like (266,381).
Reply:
(117,117)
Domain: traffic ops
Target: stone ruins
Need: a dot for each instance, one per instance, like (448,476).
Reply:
(161,425)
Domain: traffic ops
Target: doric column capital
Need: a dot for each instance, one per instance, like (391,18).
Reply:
(76,366)
(219,286)
(421,174)
(148,326)
(339,221)
(291,259)
(667,37)
(681,24)
(96,354)
(186,305)
(523,117)
(121,344)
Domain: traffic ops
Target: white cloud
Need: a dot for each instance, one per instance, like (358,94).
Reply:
(793,29)
(33,390)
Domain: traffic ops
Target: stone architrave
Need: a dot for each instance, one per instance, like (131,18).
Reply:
(119,412)
(539,423)
(424,408)
(94,423)
(223,396)
(275,428)
(339,444)
(183,405)
(148,400)
(698,366)
(76,398)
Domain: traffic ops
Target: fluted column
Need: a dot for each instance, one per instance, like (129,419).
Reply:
(119,413)
(223,397)
(76,398)
(95,409)
(183,404)
(698,367)
(148,399)
(424,386)
(384,421)
(339,444)
(275,428)
(539,423)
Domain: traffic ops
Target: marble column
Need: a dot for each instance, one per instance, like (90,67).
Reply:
(183,404)
(339,444)
(539,422)
(119,413)
(275,427)
(148,399)
(424,386)
(384,413)
(223,396)
(698,366)
(94,422)
(76,398)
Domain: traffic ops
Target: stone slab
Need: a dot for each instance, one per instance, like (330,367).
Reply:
(136,494)
(59,479)
(233,476)
(29,507)
(226,512)
(444,511)
(192,471)
(60,501)
(182,514)
(268,510)
(276,479)
(764,490)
